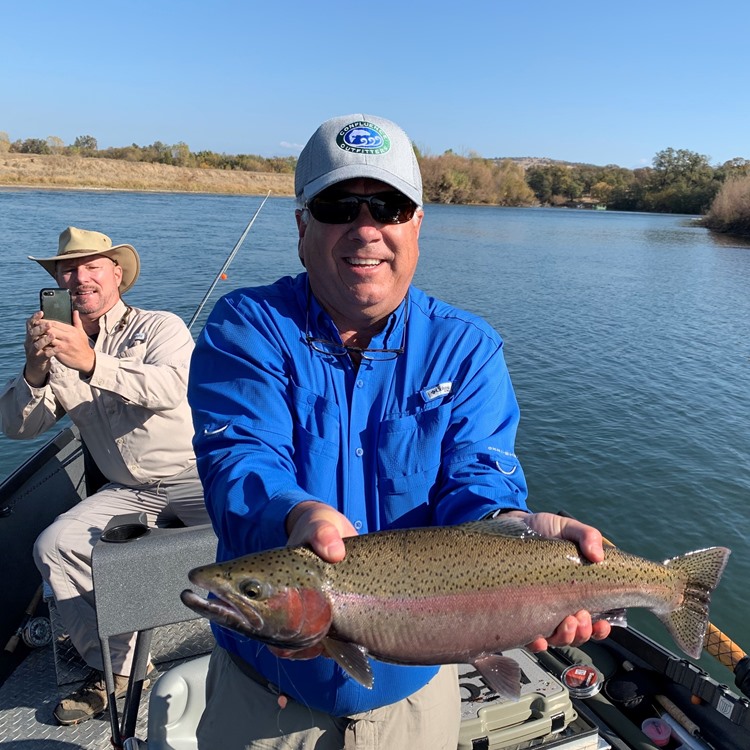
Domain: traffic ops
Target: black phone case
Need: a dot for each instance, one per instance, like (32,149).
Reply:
(56,305)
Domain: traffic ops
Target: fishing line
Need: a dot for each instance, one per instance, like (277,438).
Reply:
(227,262)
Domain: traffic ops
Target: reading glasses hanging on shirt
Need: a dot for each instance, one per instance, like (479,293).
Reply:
(337,349)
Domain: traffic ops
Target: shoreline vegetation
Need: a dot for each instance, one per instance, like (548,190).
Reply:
(91,173)
(679,181)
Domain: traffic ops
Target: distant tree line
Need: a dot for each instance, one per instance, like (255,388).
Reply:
(178,155)
(678,181)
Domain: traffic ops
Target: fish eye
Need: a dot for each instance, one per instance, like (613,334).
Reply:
(252,589)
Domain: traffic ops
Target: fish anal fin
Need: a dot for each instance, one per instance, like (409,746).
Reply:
(502,674)
(352,659)
(617,617)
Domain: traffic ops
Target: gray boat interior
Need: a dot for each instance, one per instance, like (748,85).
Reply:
(137,584)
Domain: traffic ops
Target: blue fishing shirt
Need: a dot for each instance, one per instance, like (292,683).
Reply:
(424,439)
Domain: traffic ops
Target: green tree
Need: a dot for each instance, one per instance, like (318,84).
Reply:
(85,144)
(682,181)
(554,183)
(181,155)
(32,146)
(733,168)
(673,167)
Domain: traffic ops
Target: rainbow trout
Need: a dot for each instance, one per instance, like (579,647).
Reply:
(452,594)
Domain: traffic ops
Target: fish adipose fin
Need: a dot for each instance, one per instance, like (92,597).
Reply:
(502,674)
(352,659)
(688,623)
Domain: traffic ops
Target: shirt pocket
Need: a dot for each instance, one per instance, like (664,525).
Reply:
(409,459)
(316,441)
(136,353)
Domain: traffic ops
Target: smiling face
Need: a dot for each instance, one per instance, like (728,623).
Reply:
(93,283)
(360,271)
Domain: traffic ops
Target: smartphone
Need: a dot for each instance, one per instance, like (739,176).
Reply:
(56,304)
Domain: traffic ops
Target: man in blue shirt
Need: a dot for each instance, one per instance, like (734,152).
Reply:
(343,401)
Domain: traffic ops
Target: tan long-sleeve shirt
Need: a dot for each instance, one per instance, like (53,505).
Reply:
(132,412)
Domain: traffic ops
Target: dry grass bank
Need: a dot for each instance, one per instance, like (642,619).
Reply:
(33,170)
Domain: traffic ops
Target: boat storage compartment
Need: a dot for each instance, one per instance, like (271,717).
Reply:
(543,711)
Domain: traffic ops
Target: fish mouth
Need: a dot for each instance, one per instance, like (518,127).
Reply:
(223,612)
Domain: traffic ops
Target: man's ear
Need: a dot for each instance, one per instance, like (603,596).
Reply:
(301,218)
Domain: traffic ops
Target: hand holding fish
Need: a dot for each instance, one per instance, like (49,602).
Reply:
(323,529)
(320,526)
(579,628)
(451,594)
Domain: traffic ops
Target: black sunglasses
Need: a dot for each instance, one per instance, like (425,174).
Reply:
(338,207)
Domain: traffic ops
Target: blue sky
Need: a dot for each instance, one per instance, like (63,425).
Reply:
(596,82)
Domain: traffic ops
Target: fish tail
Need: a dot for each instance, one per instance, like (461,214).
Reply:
(689,622)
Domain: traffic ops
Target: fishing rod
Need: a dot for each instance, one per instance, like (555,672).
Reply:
(227,262)
(716,643)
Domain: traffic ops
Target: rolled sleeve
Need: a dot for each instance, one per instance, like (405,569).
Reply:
(27,412)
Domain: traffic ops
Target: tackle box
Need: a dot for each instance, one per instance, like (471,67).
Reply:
(543,717)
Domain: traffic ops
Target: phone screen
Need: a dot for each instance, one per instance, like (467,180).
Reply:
(56,305)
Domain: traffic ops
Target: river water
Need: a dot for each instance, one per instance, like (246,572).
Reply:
(626,337)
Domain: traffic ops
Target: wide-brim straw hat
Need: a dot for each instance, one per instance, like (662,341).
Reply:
(80,243)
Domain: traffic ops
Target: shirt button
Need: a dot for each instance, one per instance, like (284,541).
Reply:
(359,451)
(358,525)
(360,383)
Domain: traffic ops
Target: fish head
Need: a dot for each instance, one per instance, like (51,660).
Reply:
(263,598)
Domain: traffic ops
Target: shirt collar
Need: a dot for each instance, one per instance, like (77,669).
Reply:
(112,317)
(322,325)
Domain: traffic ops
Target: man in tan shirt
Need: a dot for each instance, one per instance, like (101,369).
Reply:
(120,373)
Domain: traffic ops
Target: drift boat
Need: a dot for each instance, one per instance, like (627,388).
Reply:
(627,692)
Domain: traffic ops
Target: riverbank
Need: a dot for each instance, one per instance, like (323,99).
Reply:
(75,172)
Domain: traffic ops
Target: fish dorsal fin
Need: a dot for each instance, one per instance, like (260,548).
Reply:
(502,527)
(502,674)
(351,658)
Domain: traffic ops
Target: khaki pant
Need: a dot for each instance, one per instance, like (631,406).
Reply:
(242,714)
(63,553)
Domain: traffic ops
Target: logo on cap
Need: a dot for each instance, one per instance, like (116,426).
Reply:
(363,138)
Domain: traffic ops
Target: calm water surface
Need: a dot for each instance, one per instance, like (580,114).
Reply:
(626,336)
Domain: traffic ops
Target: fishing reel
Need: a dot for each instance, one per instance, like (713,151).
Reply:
(37,632)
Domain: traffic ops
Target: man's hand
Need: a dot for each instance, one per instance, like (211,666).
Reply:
(574,629)
(320,526)
(37,363)
(49,338)
(324,529)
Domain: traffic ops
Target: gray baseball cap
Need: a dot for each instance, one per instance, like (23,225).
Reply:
(356,146)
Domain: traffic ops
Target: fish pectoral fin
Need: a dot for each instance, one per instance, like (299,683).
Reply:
(352,659)
(502,674)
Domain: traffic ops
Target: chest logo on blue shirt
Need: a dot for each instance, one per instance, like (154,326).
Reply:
(436,391)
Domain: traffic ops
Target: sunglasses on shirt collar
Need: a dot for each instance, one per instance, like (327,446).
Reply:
(340,207)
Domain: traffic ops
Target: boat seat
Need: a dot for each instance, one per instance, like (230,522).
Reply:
(176,704)
(138,576)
